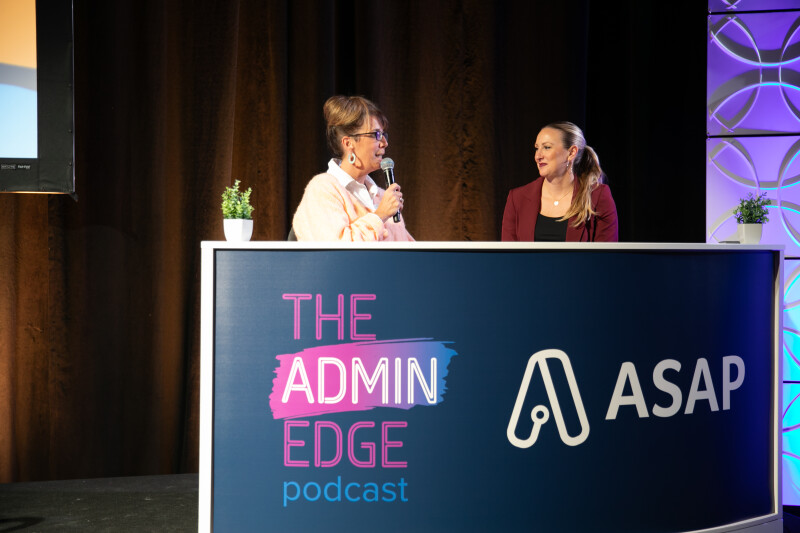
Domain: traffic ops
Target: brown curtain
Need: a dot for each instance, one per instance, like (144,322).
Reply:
(99,298)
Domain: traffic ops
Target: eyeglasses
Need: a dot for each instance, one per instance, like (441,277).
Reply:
(378,134)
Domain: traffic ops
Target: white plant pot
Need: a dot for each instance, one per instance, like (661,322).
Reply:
(237,229)
(749,233)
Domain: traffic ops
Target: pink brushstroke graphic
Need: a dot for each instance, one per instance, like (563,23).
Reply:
(360,376)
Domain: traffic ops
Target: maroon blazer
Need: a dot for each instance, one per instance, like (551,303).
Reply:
(522,208)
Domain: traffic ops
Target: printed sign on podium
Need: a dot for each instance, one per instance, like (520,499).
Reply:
(489,388)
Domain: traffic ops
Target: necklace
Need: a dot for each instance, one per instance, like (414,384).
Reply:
(555,202)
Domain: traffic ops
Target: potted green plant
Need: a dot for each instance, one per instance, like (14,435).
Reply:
(237,213)
(750,215)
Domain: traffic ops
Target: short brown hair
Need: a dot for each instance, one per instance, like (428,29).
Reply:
(345,114)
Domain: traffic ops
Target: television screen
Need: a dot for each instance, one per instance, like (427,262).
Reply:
(36,97)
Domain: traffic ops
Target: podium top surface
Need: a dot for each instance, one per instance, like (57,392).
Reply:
(487,245)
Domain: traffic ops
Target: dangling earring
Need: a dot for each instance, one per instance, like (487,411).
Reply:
(352,158)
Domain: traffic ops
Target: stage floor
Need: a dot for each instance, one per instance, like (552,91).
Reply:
(144,503)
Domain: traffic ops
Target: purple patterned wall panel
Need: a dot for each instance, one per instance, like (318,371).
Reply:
(751,5)
(790,421)
(753,80)
(736,166)
(752,101)
(791,320)
(791,444)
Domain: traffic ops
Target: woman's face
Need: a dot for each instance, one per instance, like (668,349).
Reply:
(368,150)
(551,157)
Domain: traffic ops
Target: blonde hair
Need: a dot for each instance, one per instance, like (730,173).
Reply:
(344,115)
(587,170)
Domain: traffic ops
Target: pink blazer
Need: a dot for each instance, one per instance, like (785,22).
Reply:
(523,205)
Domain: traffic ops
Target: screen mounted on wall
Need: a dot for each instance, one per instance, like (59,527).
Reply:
(36,97)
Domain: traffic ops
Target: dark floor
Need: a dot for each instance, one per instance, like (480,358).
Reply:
(140,504)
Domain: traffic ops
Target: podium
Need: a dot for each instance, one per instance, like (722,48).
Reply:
(490,387)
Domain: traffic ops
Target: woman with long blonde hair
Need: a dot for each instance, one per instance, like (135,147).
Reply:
(569,201)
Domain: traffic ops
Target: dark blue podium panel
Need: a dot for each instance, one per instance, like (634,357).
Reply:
(609,390)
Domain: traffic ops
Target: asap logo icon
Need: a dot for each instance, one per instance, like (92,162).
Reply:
(702,389)
(541,414)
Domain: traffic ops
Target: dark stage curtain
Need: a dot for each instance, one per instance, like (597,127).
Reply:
(99,298)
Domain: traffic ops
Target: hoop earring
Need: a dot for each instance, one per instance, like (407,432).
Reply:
(352,158)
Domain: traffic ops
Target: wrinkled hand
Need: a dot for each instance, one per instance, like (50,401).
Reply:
(391,203)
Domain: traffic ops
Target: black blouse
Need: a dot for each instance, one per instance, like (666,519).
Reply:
(550,229)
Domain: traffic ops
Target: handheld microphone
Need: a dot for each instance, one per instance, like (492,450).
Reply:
(387,165)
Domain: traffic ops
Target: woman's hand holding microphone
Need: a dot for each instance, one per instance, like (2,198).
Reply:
(391,203)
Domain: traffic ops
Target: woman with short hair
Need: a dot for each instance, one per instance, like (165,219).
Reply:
(344,204)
